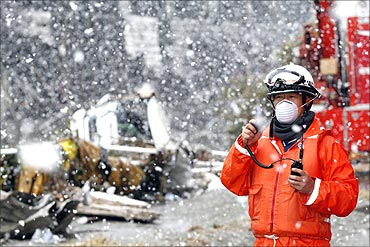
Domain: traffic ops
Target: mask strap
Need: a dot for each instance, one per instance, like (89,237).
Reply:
(305,104)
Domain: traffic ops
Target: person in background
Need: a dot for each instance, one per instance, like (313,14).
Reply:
(291,206)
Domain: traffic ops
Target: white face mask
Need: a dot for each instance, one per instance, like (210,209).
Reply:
(286,111)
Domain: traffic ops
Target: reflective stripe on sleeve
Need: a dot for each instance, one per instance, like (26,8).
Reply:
(240,148)
(315,192)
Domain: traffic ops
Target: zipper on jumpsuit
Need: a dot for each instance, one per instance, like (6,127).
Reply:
(273,202)
(273,142)
(273,236)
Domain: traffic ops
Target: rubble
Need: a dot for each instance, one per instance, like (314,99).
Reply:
(110,205)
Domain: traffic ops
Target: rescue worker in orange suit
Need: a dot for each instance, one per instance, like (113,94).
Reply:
(291,206)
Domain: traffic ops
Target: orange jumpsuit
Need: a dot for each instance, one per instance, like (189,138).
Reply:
(280,215)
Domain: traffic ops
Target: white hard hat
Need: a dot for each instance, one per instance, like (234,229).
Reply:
(290,79)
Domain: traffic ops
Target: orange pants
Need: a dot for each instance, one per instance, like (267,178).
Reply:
(290,241)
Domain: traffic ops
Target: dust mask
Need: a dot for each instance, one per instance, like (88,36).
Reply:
(286,111)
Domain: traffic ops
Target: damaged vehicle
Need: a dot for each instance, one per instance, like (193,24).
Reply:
(121,144)
(134,129)
(121,147)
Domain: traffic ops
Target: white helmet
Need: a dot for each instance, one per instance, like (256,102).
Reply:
(290,78)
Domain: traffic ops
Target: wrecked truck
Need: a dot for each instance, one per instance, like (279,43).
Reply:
(121,145)
(135,129)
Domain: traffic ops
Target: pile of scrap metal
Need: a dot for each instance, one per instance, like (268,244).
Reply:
(22,213)
(43,185)
(76,161)
(85,161)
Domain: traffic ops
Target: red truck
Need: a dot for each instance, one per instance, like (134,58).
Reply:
(341,68)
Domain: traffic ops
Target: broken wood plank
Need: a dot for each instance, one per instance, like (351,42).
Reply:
(125,212)
(99,197)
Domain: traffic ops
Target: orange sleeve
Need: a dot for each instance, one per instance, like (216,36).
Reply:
(235,173)
(338,190)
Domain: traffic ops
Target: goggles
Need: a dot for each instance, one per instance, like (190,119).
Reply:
(287,77)
(282,80)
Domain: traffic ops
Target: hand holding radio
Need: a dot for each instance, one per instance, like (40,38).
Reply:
(296,164)
(301,182)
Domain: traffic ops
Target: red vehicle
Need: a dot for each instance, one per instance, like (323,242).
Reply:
(341,69)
